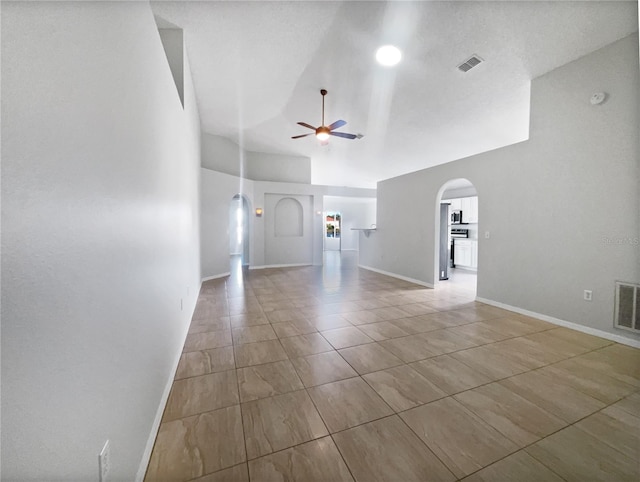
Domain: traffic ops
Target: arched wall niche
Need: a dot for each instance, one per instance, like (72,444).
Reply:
(288,218)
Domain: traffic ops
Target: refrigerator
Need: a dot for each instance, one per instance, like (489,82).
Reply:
(443,269)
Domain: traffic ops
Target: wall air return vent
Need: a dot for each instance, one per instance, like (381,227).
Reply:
(627,309)
(467,65)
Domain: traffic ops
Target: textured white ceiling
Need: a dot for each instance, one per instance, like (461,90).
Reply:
(258,68)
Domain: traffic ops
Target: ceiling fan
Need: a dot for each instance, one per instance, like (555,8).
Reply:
(323,132)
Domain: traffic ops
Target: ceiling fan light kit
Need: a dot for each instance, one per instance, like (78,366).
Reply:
(323,132)
(388,55)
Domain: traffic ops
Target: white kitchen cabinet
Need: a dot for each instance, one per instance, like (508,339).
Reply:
(473,210)
(465,206)
(469,206)
(466,253)
(456,204)
(462,254)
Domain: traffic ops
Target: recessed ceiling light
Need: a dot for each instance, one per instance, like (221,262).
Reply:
(388,55)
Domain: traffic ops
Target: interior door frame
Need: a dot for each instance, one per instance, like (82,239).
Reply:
(324,230)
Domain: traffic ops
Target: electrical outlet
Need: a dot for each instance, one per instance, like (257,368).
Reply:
(104,462)
(487,235)
(588,295)
(180,304)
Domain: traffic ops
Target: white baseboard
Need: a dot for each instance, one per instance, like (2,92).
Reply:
(352,249)
(398,276)
(567,324)
(222,275)
(146,456)
(267,266)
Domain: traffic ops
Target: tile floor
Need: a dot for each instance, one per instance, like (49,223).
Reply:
(338,374)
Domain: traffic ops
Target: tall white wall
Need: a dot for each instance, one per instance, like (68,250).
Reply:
(561,208)
(100,214)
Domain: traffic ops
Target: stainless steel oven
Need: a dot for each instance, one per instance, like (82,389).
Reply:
(456,233)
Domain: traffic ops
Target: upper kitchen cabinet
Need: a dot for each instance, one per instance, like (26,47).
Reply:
(472,209)
(469,207)
(456,204)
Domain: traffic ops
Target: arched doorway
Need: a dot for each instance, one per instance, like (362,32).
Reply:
(239,231)
(457,237)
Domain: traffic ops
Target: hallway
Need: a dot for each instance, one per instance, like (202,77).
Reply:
(336,373)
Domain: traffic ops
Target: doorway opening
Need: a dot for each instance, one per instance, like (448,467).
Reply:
(239,232)
(353,214)
(457,237)
(332,231)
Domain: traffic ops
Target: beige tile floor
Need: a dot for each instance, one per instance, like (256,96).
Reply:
(338,374)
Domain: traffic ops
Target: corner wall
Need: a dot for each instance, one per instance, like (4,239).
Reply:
(561,208)
(100,245)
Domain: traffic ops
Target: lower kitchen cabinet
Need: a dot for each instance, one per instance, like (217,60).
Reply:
(466,253)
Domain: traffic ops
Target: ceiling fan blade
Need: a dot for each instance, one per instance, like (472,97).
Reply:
(337,124)
(304,124)
(303,135)
(343,134)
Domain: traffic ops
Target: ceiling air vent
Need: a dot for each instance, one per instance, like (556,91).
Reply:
(627,309)
(470,63)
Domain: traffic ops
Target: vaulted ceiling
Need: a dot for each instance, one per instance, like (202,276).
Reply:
(258,68)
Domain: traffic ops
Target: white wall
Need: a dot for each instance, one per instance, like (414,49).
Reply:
(222,155)
(99,235)
(356,213)
(277,167)
(550,203)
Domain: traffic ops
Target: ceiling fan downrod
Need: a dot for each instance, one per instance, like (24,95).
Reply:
(323,92)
